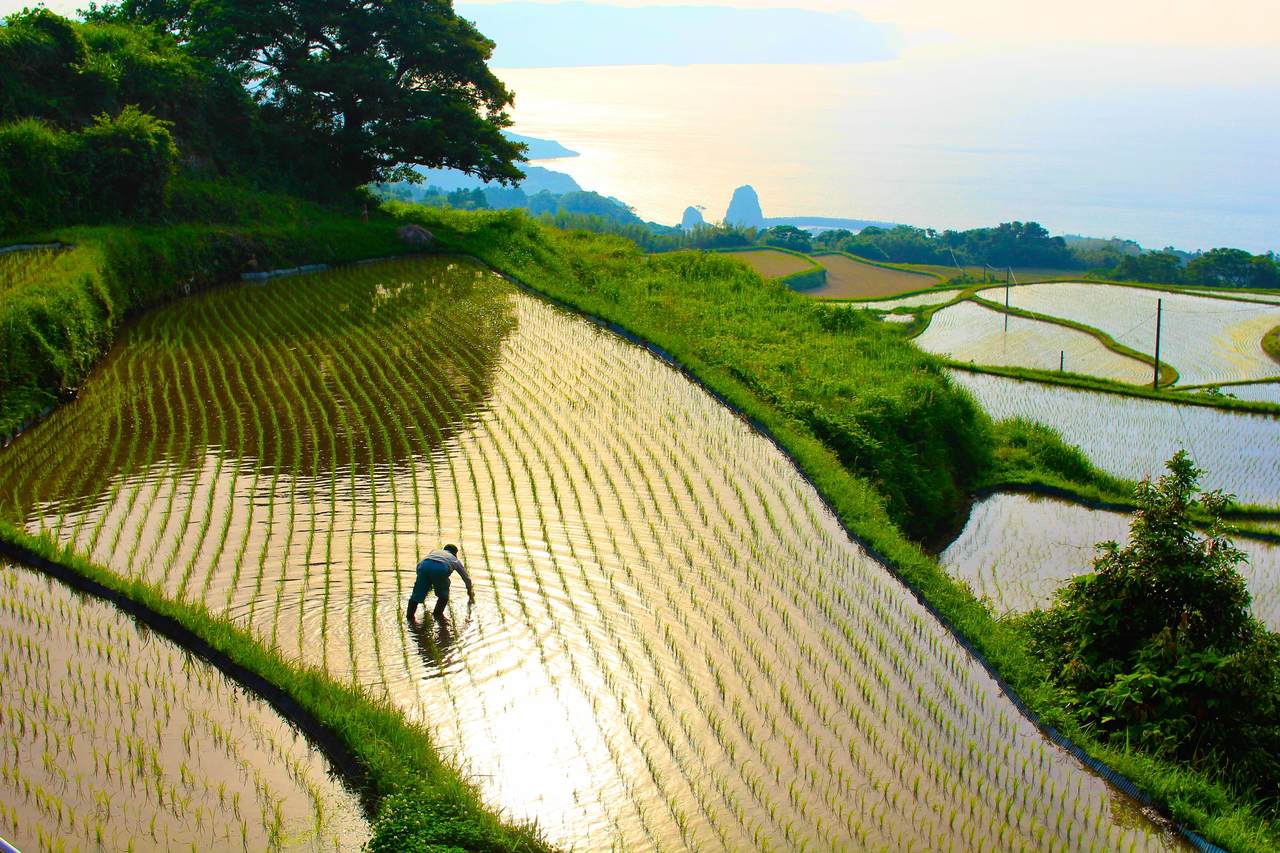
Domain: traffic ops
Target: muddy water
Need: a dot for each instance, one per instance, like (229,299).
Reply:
(1017,549)
(1132,437)
(112,738)
(673,644)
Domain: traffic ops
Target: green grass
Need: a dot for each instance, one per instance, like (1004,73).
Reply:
(1271,343)
(744,338)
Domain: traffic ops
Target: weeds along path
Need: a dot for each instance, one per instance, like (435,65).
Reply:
(674,644)
(112,736)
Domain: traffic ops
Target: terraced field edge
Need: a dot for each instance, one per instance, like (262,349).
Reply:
(414,798)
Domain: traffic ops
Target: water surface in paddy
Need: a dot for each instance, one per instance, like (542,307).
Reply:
(1016,549)
(1133,437)
(112,737)
(673,646)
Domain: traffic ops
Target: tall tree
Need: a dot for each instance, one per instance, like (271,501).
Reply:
(381,86)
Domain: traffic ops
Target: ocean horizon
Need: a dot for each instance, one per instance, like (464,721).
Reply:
(1180,153)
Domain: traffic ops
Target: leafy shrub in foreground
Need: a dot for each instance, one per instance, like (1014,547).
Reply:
(1157,647)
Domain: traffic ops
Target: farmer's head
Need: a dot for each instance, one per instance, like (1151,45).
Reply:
(452,549)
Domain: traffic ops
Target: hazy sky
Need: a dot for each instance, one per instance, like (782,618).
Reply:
(1217,23)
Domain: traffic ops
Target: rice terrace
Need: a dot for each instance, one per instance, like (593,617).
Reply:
(784,533)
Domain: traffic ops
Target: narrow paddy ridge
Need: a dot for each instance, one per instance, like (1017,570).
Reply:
(1207,340)
(1132,437)
(1016,549)
(674,646)
(111,737)
(970,332)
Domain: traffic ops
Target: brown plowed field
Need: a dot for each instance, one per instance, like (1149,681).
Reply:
(850,279)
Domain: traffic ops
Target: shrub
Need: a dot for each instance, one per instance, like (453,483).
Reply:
(1157,648)
(126,163)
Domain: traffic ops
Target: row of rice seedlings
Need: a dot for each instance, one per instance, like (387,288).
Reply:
(560,432)
(1209,340)
(970,332)
(21,268)
(656,500)
(1234,448)
(106,737)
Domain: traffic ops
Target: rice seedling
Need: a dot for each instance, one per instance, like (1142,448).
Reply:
(1207,340)
(1234,448)
(708,659)
(970,332)
(110,764)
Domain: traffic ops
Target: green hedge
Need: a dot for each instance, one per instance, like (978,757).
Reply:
(117,167)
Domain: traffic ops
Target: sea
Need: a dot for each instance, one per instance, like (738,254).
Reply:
(1169,147)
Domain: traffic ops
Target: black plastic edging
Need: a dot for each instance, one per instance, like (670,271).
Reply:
(1101,768)
(340,756)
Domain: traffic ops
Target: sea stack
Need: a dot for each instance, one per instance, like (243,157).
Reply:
(692,218)
(744,208)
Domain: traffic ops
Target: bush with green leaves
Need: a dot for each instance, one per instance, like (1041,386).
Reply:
(1156,646)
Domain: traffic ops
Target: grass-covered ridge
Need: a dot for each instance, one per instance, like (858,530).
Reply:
(849,419)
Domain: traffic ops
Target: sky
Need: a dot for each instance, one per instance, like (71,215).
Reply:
(1195,23)
(1228,23)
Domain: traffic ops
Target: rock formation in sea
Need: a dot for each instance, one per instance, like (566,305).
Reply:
(744,208)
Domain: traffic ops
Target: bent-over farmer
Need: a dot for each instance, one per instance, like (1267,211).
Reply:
(433,574)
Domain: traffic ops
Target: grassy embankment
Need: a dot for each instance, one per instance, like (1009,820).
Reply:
(874,424)
(1271,343)
(52,331)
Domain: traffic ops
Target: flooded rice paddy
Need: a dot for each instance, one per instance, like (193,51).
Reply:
(112,738)
(970,332)
(919,300)
(674,645)
(1207,340)
(1263,392)
(1016,549)
(1133,437)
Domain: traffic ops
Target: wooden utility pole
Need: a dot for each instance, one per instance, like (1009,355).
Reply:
(1155,380)
(1006,300)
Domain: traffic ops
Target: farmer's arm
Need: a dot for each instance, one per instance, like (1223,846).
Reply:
(466,579)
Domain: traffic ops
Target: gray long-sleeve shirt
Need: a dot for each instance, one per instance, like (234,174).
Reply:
(455,565)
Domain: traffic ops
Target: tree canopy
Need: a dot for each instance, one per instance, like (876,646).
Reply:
(366,89)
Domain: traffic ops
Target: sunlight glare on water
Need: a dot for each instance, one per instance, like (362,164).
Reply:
(674,645)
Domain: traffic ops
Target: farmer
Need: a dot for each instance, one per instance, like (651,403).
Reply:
(433,573)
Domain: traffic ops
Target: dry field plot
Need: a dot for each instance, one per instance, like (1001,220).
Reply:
(850,279)
(771,264)
(674,645)
(112,738)
(970,332)
(1016,550)
(1132,437)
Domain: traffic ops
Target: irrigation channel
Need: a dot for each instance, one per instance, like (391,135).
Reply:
(1016,549)
(674,644)
(114,737)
